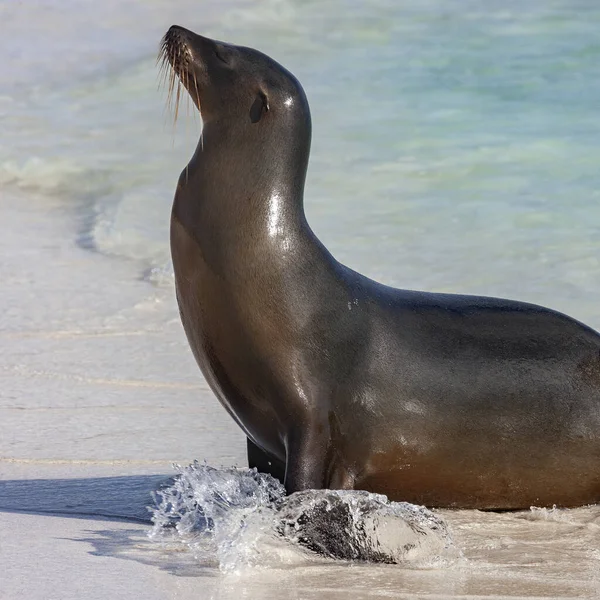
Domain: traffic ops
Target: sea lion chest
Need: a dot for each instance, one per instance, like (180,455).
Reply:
(236,338)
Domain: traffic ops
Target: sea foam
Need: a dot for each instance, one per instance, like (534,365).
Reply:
(237,518)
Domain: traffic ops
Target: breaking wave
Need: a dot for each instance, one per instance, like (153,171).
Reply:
(236,518)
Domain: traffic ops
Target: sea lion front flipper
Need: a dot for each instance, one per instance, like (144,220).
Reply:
(264,463)
(306,460)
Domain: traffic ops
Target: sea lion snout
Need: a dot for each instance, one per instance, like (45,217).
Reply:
(183,45)
(194,61)
(175,46)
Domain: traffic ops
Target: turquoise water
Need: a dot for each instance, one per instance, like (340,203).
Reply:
(455,143)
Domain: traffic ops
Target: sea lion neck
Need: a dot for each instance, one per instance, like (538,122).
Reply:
(236,191)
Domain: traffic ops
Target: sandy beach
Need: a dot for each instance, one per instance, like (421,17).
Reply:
(93,413)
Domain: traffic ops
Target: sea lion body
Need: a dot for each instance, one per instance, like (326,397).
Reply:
(339,381)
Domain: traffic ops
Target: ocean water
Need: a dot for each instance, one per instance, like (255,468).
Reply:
(455,143)
(456,146)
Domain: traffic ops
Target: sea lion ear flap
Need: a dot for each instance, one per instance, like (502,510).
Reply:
(260,106)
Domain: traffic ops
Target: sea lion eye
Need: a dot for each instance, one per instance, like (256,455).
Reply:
(259,107)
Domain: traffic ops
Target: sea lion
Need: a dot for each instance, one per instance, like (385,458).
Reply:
(339,381)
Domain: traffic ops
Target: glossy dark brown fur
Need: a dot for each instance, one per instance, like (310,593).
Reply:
(339,381)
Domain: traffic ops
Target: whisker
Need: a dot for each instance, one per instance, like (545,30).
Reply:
(197,92)
(173,75)
(164,73)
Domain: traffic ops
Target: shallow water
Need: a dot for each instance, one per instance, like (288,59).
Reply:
(243,524)
(231,519)
(239,518)
(455,148)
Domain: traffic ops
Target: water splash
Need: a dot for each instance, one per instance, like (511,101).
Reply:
(237,518)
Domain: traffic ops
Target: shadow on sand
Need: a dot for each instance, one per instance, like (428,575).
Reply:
(104,499)
(119,498)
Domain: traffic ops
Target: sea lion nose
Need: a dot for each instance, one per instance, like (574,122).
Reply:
(179,35)
(178,30)
(198,47)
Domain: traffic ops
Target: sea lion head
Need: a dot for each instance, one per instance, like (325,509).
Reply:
(232,83)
